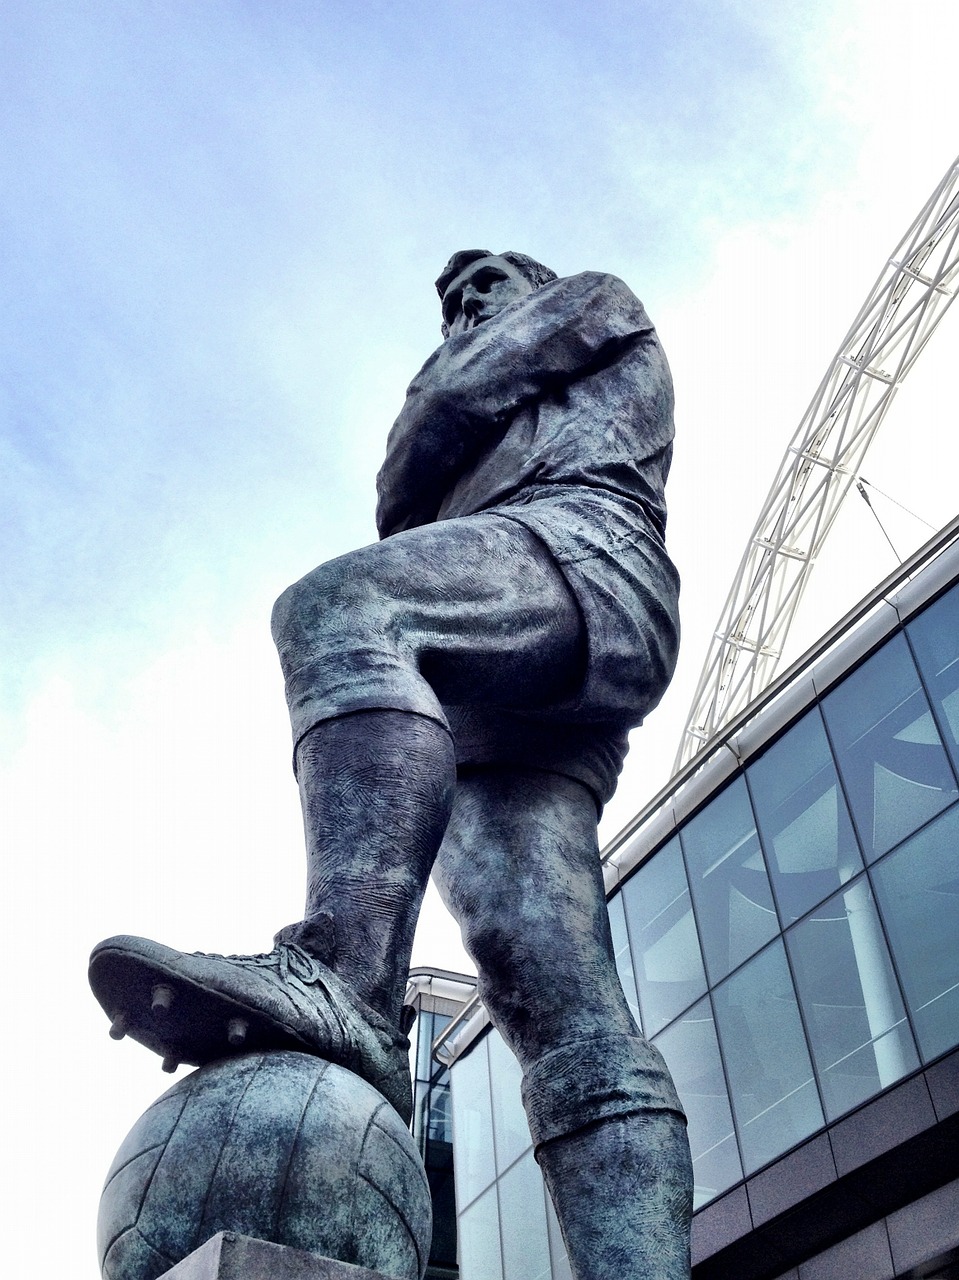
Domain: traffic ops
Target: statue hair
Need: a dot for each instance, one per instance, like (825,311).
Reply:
(535,272)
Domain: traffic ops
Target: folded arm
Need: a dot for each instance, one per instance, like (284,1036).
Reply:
(464,396)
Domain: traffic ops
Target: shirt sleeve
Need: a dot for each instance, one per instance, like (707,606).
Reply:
(560,332)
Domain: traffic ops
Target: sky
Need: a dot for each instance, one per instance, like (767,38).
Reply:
(219,230)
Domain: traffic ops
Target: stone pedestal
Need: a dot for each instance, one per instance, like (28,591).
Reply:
(228,1256)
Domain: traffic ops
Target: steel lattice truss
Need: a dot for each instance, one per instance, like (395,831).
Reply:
(822,462)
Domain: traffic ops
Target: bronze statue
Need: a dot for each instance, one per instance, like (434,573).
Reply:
(460,695)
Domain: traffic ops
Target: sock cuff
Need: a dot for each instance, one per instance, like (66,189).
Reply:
(585,1081)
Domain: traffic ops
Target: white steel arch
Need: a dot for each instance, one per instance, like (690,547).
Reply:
(822,461)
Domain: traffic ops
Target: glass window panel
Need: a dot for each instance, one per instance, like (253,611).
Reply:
(890,754)
(421,1091)
(918,892)
(437,1153)
(479,1234)
(522,1200)
(440,1022)
(692,1055)
(439,1113)
(935,639)
(428,1027)
(810,844)
(727,876)
(472,1124)
(772,1089)
(510,1130)
(425,1036)
(855,1017)
(665,945)
(624,961)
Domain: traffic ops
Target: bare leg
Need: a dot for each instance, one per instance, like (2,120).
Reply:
(520,871)
(519,868)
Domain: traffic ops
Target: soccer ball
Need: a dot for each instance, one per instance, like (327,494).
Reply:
(280,1146)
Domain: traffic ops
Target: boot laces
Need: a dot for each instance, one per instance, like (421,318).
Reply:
(286,959)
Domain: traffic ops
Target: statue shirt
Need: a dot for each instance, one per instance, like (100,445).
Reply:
(557,413)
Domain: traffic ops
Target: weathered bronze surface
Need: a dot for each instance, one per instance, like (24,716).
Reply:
(276,1146)
(460,695)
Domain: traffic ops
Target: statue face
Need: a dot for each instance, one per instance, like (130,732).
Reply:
(481,292)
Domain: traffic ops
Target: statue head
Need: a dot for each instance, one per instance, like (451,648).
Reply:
(476,285)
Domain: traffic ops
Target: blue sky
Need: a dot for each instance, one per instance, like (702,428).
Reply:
(220,217)
(219,230)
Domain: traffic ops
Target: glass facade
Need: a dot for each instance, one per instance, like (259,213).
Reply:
(433,1130)
(662,958)
(507,1227)
(890,755)
(792,949)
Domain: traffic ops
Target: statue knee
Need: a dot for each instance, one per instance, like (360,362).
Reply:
(509,986)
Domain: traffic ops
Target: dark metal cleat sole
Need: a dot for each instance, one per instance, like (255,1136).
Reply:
(177,1019)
